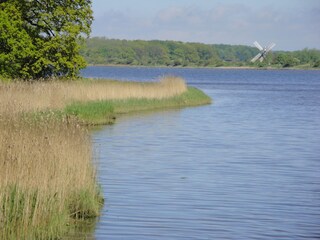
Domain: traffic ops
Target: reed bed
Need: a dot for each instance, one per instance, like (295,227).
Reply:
(22,97)
(47,178)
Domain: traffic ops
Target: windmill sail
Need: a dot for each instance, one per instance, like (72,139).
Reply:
(258,46)
(270,46)
(256,57)
(263,51)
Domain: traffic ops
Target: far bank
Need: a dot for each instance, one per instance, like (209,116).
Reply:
(231,67)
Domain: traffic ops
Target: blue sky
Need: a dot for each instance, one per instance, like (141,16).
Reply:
(291,24)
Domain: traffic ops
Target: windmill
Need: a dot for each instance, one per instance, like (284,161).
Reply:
(263,51)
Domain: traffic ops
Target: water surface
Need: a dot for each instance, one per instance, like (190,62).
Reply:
(245,167)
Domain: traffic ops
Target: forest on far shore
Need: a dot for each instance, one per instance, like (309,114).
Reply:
(104,51)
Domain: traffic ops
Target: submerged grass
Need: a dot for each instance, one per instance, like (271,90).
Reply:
(47,177)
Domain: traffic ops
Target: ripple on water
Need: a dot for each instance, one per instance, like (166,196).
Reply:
(246,167)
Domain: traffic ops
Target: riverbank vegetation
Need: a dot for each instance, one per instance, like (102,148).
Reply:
(106,111)
(172,53)
(29,96)
(47,178)
(42,38)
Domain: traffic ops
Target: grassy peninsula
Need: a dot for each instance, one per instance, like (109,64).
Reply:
(47,178)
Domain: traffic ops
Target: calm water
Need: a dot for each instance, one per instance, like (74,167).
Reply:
(245,167)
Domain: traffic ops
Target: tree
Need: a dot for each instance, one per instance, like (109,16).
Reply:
(41,38)
(286,60)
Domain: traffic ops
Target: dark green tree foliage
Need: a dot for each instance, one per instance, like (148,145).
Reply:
(304,58)
(173,53)
(166,53)
(41,38)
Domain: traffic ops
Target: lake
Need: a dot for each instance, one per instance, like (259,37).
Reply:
(245,167)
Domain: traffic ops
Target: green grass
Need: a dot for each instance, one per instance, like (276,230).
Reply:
(95,112)
(104,112)
(82,205)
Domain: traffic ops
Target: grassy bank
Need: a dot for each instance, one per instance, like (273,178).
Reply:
(106,111)
(47,178)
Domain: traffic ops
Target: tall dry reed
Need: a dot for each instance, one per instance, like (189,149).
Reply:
(45,169)
(21,97)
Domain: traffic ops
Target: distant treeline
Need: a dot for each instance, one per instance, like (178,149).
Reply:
(99,50)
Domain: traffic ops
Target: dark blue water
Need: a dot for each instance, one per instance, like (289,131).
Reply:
(245,167)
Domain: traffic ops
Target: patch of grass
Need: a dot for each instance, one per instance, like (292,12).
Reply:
(83,205)
(24,216)
(192,97)
(105,112)
(95,112)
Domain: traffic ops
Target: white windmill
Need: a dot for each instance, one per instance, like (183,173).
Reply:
(263,51)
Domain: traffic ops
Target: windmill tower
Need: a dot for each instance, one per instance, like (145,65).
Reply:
(263,51)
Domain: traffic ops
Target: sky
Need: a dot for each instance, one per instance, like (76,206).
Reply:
(291,24)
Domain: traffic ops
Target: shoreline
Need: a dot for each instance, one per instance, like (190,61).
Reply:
(59,166)
(114,108)
(202,67)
